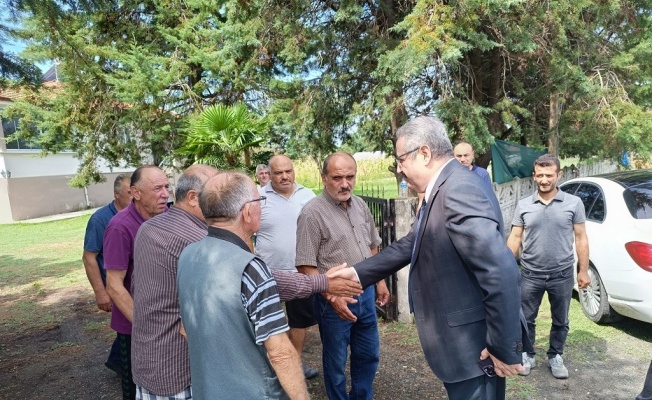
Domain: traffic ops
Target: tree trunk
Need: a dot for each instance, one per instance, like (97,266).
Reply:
(553,124)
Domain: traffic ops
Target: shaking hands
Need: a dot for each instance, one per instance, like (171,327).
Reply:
(342,281)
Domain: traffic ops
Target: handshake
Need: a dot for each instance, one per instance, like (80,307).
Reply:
(343,281)
(342,284)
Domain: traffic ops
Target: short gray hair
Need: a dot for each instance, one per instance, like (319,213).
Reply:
(428,131)
(117,184)
(261,167)
(193,178)
(224,200)
(185,184)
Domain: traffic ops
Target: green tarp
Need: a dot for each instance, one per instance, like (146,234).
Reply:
(511,160)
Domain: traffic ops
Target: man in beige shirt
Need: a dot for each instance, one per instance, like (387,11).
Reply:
(334,228)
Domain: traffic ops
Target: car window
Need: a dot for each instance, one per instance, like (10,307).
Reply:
(570,187)
(597,211)
(587,192)
(639,201)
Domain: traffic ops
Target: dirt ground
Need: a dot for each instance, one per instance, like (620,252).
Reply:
(65,361)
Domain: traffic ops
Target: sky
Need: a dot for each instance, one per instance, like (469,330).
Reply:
(10,45)
(15,46)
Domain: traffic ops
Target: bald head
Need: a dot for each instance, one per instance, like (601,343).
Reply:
(224,195)
(464,154)
(281,172)
(192,179)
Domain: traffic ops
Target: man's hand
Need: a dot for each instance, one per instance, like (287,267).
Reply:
(103,300)
(182,330)
(382,293)
(500,367)
(583,279)
(342,271)
(340,286)
(340,304)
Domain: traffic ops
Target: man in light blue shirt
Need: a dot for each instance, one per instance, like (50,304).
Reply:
(276,241)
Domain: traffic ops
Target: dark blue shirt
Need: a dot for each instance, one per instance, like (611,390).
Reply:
(93,240)
(482,173)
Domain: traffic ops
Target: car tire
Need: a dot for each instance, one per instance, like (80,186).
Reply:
(595,301)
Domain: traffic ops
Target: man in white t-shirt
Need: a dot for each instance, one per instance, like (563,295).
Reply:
(276,241)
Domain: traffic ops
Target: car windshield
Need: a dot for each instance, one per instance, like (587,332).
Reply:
(639,200)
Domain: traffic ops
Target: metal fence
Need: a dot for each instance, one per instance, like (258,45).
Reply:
(384,214)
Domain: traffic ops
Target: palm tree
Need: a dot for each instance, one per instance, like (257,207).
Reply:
(224,136)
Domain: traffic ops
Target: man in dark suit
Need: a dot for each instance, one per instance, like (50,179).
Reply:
(464,282)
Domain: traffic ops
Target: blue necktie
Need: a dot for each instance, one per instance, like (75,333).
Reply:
(422,211)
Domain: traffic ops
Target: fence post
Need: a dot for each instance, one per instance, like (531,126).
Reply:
(405,215)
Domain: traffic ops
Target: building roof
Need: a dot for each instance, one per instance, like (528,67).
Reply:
(50,80)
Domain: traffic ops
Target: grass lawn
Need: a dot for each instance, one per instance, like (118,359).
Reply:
(586,343)
(39,264)
(41,273)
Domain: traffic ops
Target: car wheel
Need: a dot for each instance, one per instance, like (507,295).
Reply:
(595,302)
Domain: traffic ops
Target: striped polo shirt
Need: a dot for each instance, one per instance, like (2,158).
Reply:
(160,361)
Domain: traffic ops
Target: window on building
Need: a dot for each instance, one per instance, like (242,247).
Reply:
(9,127)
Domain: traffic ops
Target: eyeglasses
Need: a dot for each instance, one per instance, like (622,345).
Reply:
(400,159)
(262,199)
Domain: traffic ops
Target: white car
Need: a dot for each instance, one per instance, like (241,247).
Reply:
(618,209)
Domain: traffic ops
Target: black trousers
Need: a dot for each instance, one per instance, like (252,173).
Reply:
(128,385)
(479,388)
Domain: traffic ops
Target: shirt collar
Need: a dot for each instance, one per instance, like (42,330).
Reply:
(177,210)
(431,184)
(113,208)
(558,197)
(269,189)
(223,234)
(132,210)
(336,202)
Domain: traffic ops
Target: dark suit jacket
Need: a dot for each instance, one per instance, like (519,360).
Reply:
(464,282)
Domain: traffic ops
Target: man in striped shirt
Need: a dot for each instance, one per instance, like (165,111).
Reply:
(159,354)
(230,305)
(161,367)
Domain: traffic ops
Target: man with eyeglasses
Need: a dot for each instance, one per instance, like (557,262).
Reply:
(230,304)
(464,287)
(276,241)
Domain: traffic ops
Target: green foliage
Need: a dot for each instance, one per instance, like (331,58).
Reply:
(224,136)
(328,74)
(494,66)
(14,69)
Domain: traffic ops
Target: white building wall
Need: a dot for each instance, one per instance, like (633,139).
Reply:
(30,163)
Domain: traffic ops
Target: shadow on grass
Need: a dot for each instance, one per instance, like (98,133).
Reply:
(36,292)
(22,270)
(635,328)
